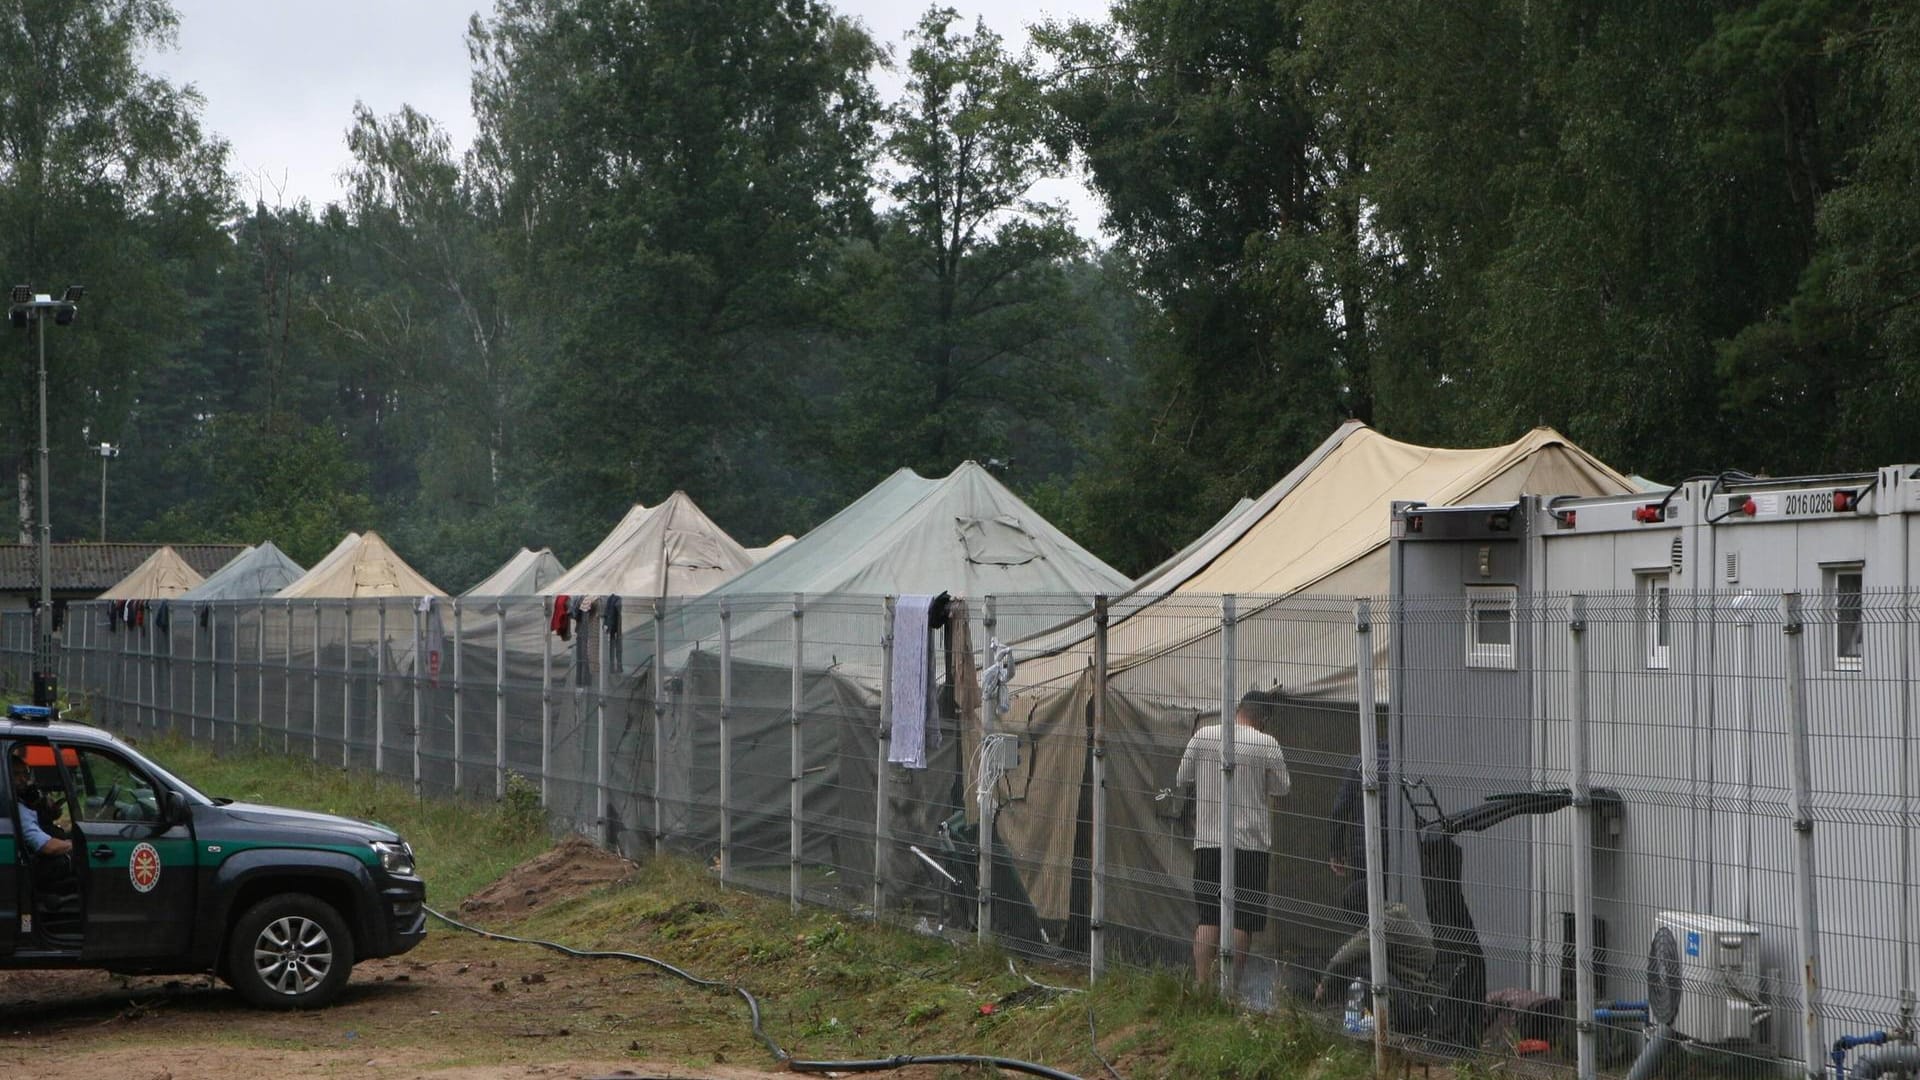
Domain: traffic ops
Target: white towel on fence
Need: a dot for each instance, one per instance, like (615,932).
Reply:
(912,704)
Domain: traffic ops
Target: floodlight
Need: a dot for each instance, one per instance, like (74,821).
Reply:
(74,293)
(63,315)
(22,293)
(18,317)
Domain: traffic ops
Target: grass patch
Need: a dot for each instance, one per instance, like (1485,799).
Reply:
(835,987)
(460,844)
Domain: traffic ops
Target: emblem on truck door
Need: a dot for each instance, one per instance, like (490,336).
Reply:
(144,867)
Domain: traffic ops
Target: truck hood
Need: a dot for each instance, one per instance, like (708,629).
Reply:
(332,826)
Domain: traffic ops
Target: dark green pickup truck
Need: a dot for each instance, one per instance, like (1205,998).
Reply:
(149,876)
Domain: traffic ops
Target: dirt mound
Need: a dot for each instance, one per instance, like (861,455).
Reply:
(569,868)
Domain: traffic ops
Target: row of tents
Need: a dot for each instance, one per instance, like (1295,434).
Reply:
(1319,532)
(1322,528)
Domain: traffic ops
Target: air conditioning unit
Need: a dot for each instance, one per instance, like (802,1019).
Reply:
(1703,977)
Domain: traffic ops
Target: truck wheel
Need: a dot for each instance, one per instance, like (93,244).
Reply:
(289,952)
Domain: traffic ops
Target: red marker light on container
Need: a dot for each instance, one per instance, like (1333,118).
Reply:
(1648,514)
(1844,501)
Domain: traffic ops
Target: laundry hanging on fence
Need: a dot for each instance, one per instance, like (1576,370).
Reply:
(113,617)
(910,738)
(610,615)
(580,609)
(203,612)
(561,621)
(436,637)
(996,681)
(163,617)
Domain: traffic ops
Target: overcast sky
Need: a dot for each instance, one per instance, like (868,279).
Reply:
(280,77)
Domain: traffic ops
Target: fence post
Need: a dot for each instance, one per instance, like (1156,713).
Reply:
(233,670)
(1580,784)
(173,694)
(500,699)
(1097,873)
(380,693)
(885,741)
(346,689)
(260,677)
(1229,806)
(193,672)
(602,771)
(726,739)
(1806,898)
(659,681)
(286,685)
(313,698)
(313,733)
(459,694)
(983,874)
(796,763)
(546,699)
(1370,820)
(422,664)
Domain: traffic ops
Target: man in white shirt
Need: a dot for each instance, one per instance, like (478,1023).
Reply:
(1259,777)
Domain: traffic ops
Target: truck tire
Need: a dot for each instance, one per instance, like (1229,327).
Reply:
(289,951)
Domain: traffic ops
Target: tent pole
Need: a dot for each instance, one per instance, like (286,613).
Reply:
(1376,869)
(499,698)
(1229,808)
(659,681)
(1097,914)
(880,840)
(796,761)
(726,740)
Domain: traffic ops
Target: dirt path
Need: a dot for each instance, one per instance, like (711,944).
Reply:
(456,1008)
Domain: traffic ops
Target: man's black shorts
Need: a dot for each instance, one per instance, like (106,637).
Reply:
(1249,888)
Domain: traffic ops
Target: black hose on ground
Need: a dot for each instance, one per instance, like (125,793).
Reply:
(753,1009)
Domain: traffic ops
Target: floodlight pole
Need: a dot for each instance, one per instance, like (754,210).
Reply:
(29,308)
(44,656)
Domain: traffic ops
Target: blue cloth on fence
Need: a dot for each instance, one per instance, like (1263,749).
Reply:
(913,733)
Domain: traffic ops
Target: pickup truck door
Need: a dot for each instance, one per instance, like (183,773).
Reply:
(140,868)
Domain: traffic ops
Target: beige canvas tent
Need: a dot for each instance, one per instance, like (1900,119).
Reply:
(525,574)
(672,549)
(1296,556)
(360,566)
(164,574)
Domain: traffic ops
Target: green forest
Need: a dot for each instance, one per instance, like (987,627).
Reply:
(694,247)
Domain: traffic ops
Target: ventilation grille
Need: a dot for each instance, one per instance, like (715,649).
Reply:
(1733,566)
(1676,561)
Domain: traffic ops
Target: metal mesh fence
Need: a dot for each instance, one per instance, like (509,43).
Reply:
(1689,813)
